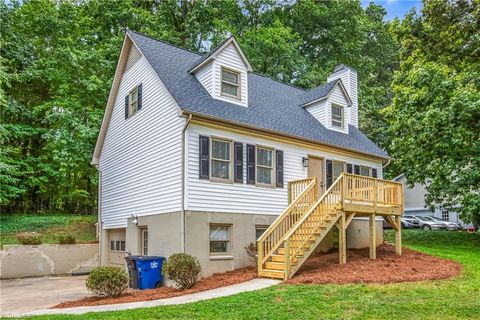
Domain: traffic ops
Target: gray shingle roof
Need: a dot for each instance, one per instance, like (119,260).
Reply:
(272,105)
(317,93)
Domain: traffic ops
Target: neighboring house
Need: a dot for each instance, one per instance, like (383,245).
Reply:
(195,152)
(415,202)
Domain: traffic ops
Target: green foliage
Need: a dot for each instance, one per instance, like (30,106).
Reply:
(50,226)
(66,238)
(435,115)
(107,281)
(29,238)
(183,269)
(452,299)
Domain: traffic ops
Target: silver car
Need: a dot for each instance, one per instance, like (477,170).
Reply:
(449,224)
(425,224)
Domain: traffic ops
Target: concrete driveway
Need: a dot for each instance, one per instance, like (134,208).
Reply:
(18,296)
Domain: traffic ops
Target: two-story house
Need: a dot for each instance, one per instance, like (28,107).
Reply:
(196,152)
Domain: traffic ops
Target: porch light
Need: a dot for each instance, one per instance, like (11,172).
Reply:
(135,219)
(305,162)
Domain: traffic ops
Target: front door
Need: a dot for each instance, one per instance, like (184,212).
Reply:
(315,169)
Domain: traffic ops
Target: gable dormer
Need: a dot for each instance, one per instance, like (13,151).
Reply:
(224,73)
(348,76)
(330,104)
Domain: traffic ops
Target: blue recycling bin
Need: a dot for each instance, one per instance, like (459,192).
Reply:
(149,271)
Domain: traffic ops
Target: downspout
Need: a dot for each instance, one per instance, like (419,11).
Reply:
(99,213)
(182,213)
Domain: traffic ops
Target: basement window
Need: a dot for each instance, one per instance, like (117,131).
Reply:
(220,238)
(117,245)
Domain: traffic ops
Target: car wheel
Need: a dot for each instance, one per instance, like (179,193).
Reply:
(426,227)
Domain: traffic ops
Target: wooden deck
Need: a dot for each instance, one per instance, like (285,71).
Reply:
(290,240)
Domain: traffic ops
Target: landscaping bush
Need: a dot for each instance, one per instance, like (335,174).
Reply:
(66,238)
(107,281)
(183,269)
(252,251)
(31,238)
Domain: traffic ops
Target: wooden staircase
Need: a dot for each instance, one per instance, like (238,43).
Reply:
(298,231)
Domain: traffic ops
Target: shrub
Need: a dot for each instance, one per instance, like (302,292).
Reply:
(183,269)
(31,238)
(107,281)
(66,238)
(251,251)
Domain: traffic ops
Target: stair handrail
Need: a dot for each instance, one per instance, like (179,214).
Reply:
(312,209)
(307,194)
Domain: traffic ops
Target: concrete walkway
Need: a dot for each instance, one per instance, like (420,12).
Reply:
(18,296)
(251,285)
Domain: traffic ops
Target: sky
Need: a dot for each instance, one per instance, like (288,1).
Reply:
(395,8)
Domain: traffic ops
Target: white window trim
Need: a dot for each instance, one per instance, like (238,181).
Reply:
(264,185)
(142,240)
(131,102)
(260,226)
(447,215)
(221,255)
(332,106)
(369,171)
(239,85)
(230,164)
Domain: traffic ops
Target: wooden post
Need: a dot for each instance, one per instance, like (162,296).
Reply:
(287,259)
(259,255)
(373,237)
(342,240)
(398,235)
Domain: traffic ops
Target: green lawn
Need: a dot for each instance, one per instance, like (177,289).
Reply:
(446,299)
(83,227)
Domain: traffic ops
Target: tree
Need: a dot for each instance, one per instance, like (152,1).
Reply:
(435,114)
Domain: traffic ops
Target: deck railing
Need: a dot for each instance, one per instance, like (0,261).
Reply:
(372,191)
(302,199)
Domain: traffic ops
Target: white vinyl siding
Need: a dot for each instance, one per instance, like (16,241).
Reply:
(204,195)
(322,110)
(230,58)
(204,75)
(140,160)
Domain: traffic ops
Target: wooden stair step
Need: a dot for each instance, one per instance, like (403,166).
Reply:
(276,274)
(280,258)
(275,265)
(281,251)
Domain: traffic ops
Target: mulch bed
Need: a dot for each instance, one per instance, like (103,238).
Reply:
(318,269)
(215,281)
(387,268)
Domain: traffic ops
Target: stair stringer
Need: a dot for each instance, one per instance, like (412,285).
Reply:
(313,246)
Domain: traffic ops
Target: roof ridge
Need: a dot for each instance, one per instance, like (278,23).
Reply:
(166,42)
(279,81)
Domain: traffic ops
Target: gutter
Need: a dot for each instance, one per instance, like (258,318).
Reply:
(184,129)
(99,213)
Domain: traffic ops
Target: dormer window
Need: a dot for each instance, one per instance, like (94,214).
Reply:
(230,83)
(337,116)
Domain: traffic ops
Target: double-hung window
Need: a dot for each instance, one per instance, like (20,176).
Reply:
(133,101)
(220,237)
(259,230)
(364,171)
(338,168)
(230,85)
(117,245)
(337,116)
(221,163)
(445,215)
(264,166)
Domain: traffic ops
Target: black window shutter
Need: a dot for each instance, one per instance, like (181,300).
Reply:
(356,169)
(126,106)
(374,172)
(349,168)
(250,164)
(329,170)
(238,161)
(204,151)
(139,99)
(279,168)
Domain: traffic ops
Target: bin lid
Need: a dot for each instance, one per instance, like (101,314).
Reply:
(146,258)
